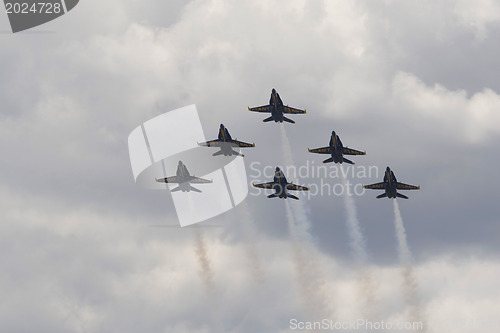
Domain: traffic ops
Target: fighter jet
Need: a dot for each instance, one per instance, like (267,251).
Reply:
(391,185)
(281,186)
(277,109)
(336,149)
(184,179)
(226,143)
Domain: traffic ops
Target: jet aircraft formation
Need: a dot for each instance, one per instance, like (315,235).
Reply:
(280,185)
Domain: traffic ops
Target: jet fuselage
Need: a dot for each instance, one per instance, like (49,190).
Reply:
(224,134)
(226,146)
(277,106)
(280,184)
(183,177)
(182,173)
(390,183)
(337,148)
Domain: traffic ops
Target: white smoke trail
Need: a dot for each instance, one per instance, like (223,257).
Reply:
(357,240)
(404,250)
(200,250)
(203,259)
(256,268)
(357,244)
(311,284)
(287,151)
(302,222)
(410,285)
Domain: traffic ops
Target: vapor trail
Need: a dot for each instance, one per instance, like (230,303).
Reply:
(357,244)
(404,250)
(302,222)
(200,251)
(410,285)
(255,264)
(311,284)
(357,240)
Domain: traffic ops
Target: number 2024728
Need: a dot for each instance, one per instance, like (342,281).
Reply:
(35,8)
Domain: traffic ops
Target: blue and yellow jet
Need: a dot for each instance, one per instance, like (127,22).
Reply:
(337,151)
(277,109)
(183,178)
(226,143)
(391,185)
(281,186)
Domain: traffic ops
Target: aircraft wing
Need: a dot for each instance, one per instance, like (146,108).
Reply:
(323,150)
(196,180)
(293,187)
(287,109)
(377,186)
(401,186)
(349,151)
(242,144)
(263,108)
(211,143)
(264,185)
(168,180)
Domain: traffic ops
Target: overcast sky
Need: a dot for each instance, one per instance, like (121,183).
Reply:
(415,84)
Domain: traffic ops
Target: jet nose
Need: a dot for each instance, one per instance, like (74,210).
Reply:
(277,169)
(333,133)
(180,162)
(221,125)
(274,91)
(388,169)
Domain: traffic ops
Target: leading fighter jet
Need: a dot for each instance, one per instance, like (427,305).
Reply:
(391,185)
(281,186)
(336,149)
(277,109)
(184,179)
(226,143)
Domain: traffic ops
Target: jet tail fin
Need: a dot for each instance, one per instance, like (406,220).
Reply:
(217,153)
(383,195)
(328,160)
(347,161)
(194,189)
(292,196)
(238,153)
(288,120)
(274,195)
(268,119)
(401,196)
